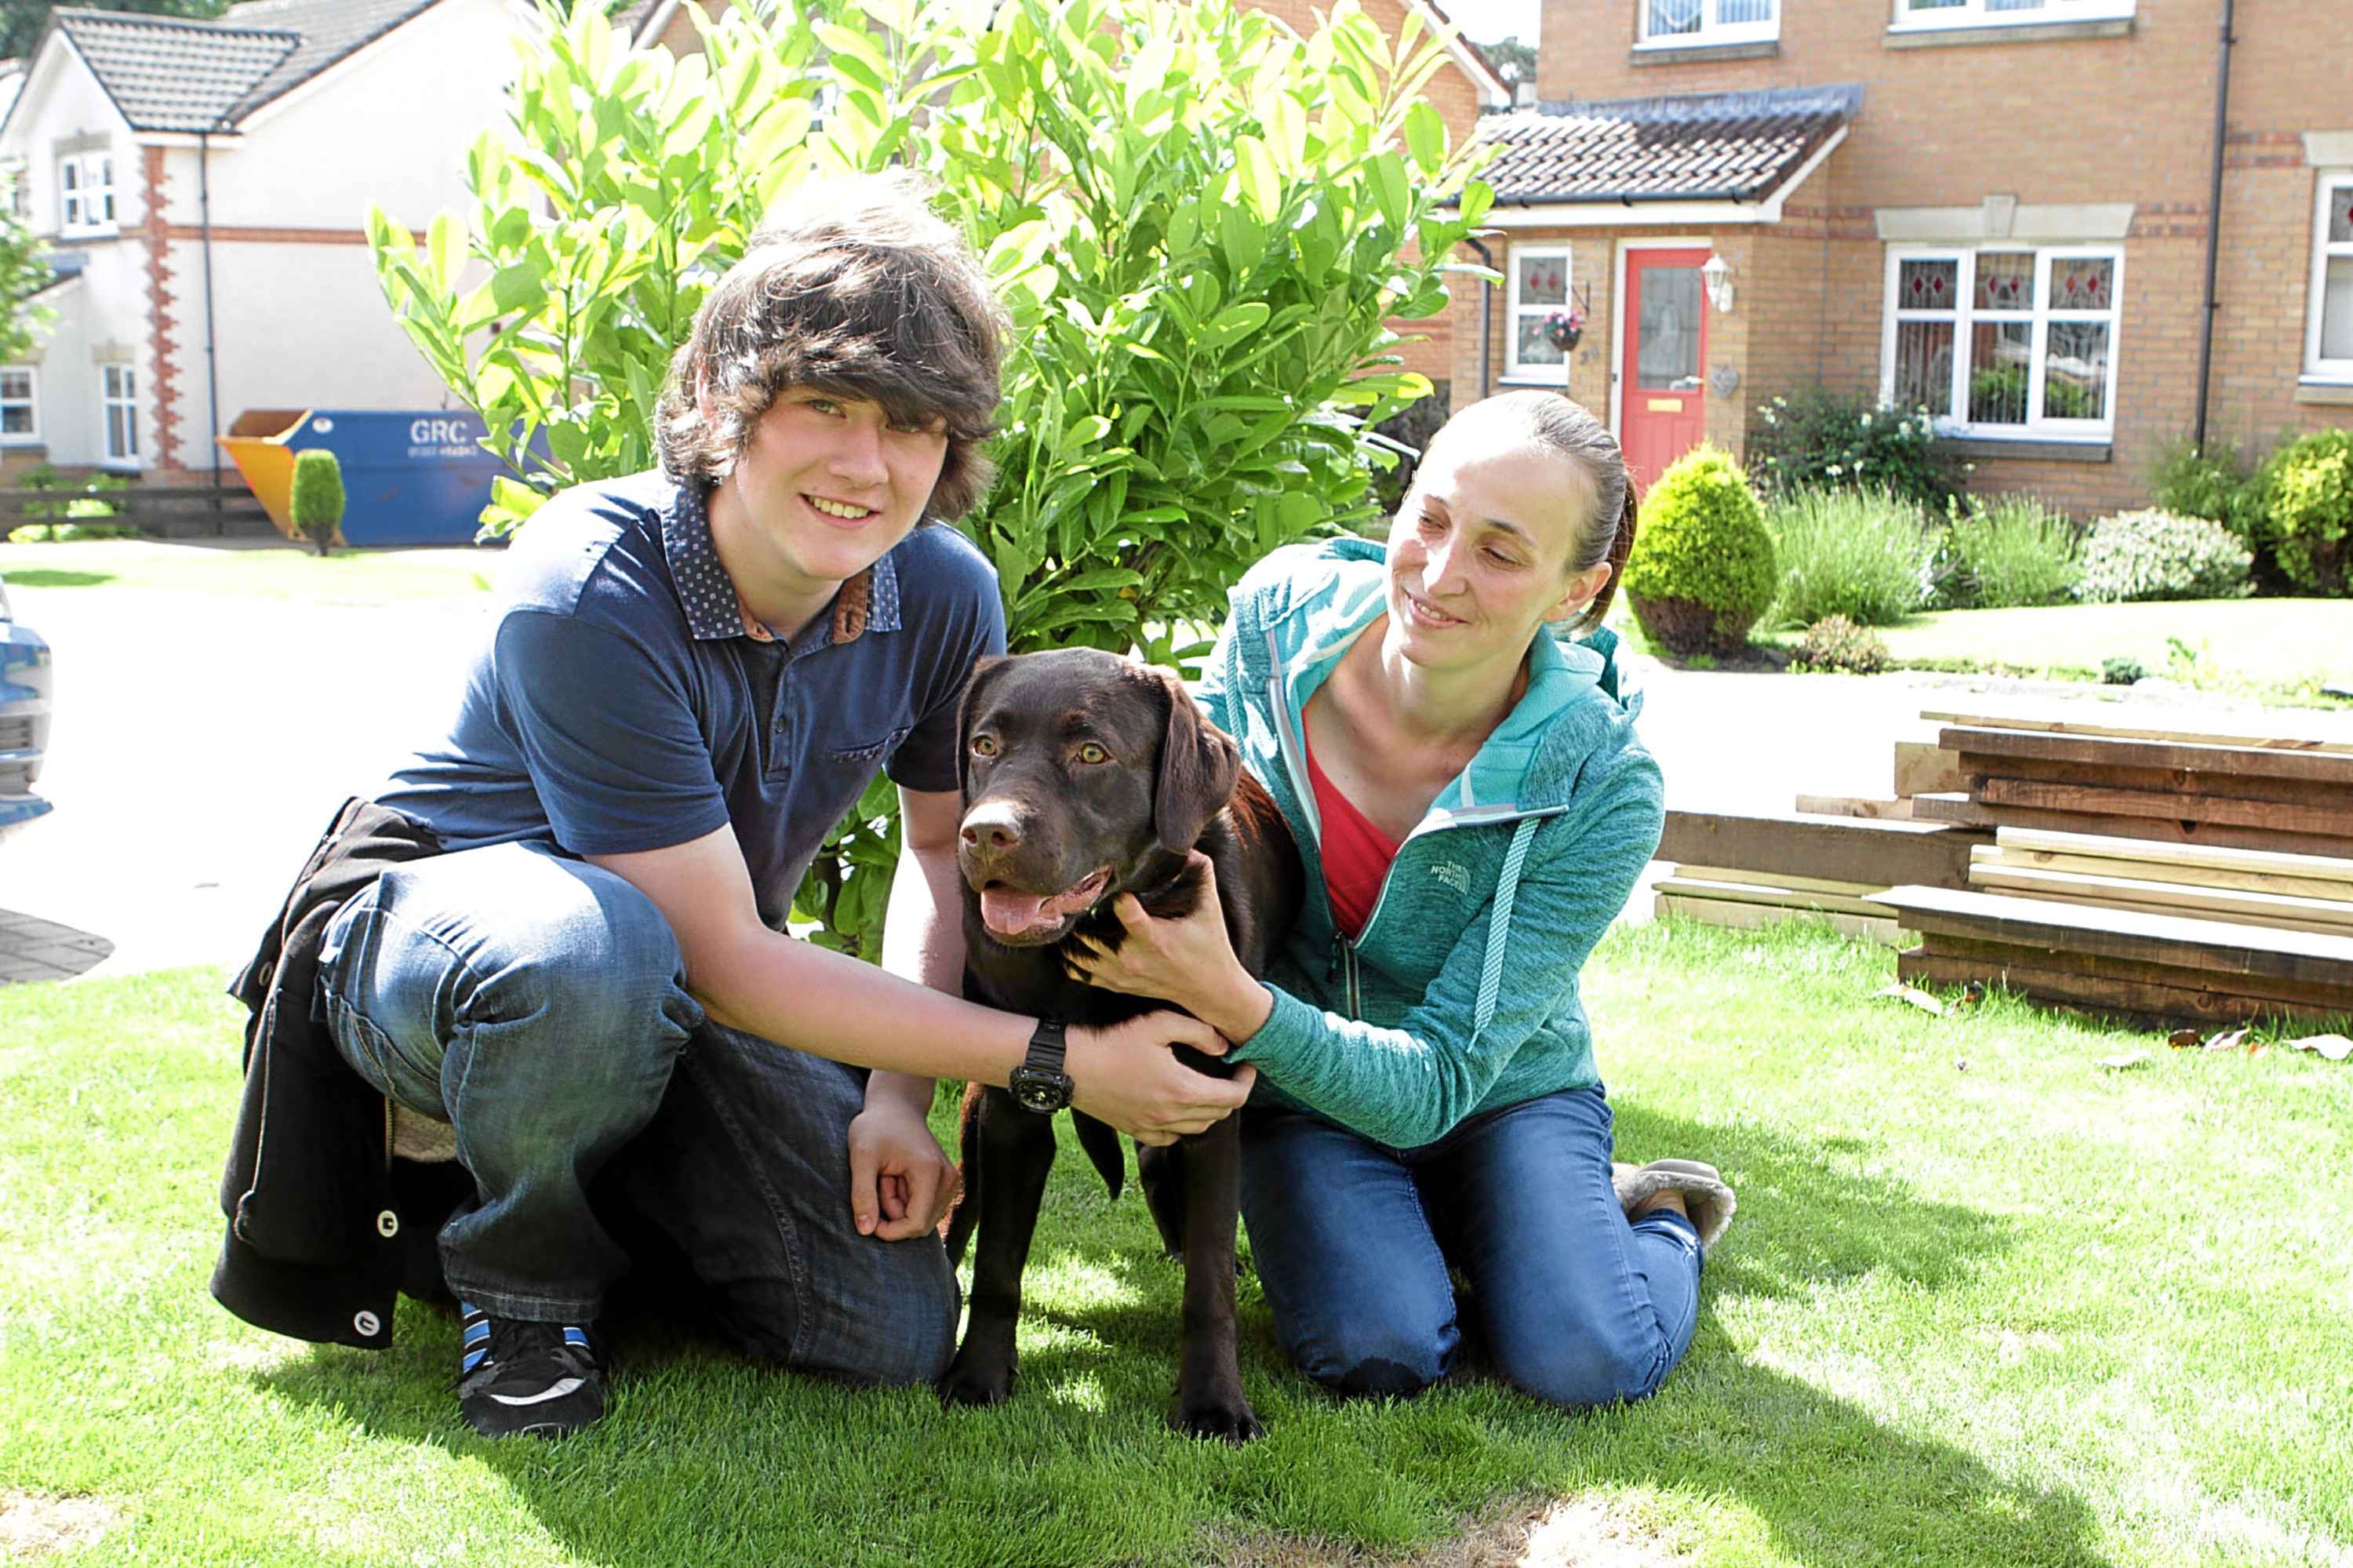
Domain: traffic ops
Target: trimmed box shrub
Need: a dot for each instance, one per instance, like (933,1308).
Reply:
(315,503)
(2156,554)
(1702,568)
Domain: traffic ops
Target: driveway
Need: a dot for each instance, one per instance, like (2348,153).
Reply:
(202,741)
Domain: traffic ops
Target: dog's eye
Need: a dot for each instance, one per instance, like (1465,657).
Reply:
(1090,754)
(984,745)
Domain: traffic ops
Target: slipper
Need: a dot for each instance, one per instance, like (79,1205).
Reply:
(1706,1198)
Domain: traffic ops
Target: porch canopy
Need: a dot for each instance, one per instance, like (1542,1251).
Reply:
(1724,157)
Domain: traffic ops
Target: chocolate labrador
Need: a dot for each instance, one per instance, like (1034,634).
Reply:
(1086,775)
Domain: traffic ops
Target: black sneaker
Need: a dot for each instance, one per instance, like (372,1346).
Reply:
(519,1376)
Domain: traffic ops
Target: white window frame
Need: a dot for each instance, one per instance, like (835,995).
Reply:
(86,200)
(1538,374)
(2037,427)
(2316,368)
(126,401)
(1915,17)
(1711,29)
(30,436)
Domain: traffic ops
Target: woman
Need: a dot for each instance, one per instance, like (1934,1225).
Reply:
(1472,808)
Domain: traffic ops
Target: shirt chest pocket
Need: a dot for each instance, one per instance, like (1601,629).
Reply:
(868,754)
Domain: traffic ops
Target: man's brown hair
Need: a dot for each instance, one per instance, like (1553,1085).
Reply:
(858,290)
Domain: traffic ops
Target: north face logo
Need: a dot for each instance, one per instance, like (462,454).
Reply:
(1457,877)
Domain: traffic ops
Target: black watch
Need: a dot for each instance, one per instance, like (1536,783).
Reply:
(1040,1083)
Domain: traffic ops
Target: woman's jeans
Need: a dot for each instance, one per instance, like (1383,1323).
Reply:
(1353,1240)
(533,1002)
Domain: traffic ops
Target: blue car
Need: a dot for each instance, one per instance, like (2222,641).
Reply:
(23,718)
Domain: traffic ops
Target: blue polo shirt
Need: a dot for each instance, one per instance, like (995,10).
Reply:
(620,704)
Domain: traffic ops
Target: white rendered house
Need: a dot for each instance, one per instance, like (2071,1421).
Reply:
(203,188)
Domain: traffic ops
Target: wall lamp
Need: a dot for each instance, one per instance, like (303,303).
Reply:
(1716,273)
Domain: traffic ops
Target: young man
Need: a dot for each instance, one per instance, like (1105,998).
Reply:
(555,942)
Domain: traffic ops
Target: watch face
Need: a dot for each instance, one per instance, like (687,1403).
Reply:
(1039,1090)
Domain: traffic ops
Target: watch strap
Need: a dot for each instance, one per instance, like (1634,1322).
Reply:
(1049,1044)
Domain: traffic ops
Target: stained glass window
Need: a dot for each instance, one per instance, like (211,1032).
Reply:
(1927,285)
(2005,280)
(1541,305)
(2006,340)
(2080,283)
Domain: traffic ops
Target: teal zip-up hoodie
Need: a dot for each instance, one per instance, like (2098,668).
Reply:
(1460,993)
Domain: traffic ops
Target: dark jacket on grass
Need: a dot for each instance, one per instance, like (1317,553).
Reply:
(320,1217)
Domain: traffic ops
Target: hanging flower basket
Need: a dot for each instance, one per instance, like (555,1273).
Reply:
(1563,329)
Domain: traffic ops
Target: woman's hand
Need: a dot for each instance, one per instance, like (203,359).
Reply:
(901,1183)
(1188,960)
(1127,1076)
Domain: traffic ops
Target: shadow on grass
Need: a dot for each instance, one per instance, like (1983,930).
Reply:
(706,1458)
(51,578)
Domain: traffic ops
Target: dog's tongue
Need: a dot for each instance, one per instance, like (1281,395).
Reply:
(1009,913)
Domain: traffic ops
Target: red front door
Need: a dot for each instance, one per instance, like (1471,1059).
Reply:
(1662,387)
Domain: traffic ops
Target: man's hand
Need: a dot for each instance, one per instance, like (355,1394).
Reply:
(1127,1076)
(901,1183)
(1187,959)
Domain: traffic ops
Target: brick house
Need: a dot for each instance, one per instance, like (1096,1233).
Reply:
(203,187)
(1995,208)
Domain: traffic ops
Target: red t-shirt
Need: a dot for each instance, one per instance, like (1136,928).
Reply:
(1357,854)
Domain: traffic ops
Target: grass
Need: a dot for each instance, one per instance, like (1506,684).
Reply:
(2272,648)
(1860,554)
(283,572)
(1985,1303)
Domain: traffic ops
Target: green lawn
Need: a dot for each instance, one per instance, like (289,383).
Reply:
(268,572)
(1985,1303)
(2281,645)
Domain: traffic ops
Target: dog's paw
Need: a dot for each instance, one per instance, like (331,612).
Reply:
(1224,1415)
(979,1380)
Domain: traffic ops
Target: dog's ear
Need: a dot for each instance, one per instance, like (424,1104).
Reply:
(966,705)
(1200,765)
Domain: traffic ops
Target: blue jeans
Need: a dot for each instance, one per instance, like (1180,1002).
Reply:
(1352,1242)
(533,1002)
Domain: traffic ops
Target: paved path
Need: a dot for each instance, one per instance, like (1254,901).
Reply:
(202,741)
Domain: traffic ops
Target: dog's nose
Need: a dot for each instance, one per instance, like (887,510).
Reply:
(992,825)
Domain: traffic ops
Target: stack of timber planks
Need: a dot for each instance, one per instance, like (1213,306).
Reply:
(2157,874)
(2253,887)
(2224,791)
(1750,871)
(2146,967)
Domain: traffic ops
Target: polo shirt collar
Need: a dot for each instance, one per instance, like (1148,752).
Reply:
(867,602)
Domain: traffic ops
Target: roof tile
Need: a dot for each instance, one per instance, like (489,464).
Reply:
(1732,146)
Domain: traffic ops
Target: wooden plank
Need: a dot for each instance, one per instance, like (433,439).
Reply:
(1781,879)
(2271,816)
(1854,806)
(2270,732)
(2312,998)
(1777,898)
(2136,1000)
(1979,766)
(2334,890)
(1754,916)
(2177,941)
(2331,767)
(1940,806)
(2163,898)
(1922,766)
(2329,868)
(1882,854)
(2164,829)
